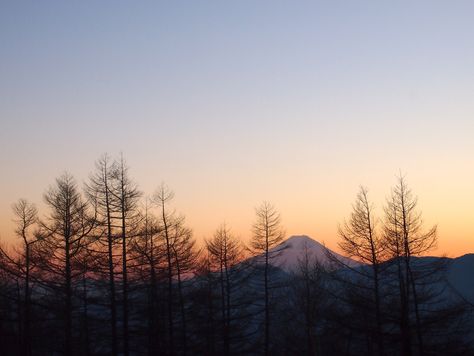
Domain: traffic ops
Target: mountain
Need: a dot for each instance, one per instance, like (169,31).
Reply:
(460,276)
(295,248)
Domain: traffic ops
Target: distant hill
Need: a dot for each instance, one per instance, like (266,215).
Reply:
(460,276)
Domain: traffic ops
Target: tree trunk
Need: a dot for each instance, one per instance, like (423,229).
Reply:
(27,328)
(267,312)
(68,287)
(125,287)
(110,242)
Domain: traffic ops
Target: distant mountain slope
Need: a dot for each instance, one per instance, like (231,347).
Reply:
(460,276)
(294,249)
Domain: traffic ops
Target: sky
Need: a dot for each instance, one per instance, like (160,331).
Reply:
(234,103)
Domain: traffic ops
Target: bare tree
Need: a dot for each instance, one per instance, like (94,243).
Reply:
(98,190)
(267,234)
(147,251)
(25,219)
(19,264)
(185,256)
(360,239)
(126,196)
(162,197)
(64,237)
(405,238)
(225,252)
(180,258)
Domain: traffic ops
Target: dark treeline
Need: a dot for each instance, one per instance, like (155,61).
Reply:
(105,270)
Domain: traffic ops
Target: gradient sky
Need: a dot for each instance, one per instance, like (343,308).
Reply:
(233,103)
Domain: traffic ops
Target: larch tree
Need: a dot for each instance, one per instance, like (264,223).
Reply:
(26,217)
(185,257)
(126,196)
(63,240)
(180,257)
(267,235)
(20,264)
(225,252)
(98,190)
(406,238)
(162,198)
(147,251)
(361,240)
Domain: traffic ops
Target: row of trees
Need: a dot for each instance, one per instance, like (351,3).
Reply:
(107,272)
(401,294)
(104,262)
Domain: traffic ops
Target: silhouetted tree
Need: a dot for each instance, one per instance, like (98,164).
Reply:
(10,305)
(148,253)
(99,190)
(361,240)
(19,265)
(180,256)
(126,196)
(26,218)
(162,197)
(405,239)
(225,252)
(185,255)
(267,234)
(63,240)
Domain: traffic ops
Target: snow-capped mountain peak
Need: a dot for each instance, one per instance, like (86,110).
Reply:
(295,248)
